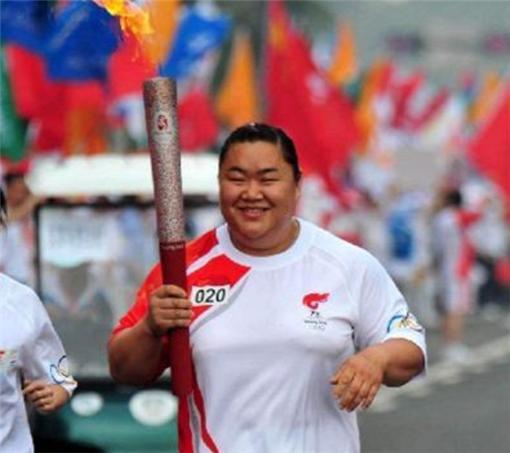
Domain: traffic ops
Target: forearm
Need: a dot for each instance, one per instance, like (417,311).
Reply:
(400,359)
(134,355)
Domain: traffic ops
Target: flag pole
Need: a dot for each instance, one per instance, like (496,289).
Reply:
(160,100)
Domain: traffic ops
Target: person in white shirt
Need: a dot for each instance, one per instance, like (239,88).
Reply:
(292,329)
(33,363)
(17,241)
(454,258)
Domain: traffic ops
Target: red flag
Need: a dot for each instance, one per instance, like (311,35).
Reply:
(301,100)
(127,69)
(85,125)
(28,80)
(37,98)
(198,128)
(50,121)
(434,106)
(403,94)
(66,116)
(490,149)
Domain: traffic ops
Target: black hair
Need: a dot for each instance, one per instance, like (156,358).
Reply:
(3,209)
(10,177)
(453,198)
(255,132)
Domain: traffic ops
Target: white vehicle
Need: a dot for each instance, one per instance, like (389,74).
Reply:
(96,240)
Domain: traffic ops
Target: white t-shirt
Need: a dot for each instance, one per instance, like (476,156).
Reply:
(267,335)
(16,251)
(29,347)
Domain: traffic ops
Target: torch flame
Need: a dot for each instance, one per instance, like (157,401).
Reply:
(133,19)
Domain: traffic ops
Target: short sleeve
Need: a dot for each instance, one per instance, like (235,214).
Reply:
(45,357)
(139,308)
(382,311)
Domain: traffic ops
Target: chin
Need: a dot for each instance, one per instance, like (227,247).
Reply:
(251,233)
(248,232)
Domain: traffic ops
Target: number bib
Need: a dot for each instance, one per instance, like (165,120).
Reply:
(209,295)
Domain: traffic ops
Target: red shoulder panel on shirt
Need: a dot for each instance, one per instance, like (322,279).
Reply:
(200,246)
(219,271)
(194,250)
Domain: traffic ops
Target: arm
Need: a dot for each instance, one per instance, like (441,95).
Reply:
(135,353)
(390,341)
(44,362)
(400,359)
(393,362)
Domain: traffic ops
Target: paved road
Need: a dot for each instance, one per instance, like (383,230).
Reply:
(454,410)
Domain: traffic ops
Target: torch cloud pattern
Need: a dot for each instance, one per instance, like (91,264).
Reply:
(160,98)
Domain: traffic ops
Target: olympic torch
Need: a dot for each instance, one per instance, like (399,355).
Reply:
(160,99)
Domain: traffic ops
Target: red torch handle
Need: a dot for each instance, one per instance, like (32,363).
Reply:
(173,268)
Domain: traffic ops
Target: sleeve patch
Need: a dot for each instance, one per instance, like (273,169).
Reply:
(407,321)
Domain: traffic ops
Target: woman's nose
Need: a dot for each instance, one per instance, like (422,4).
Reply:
(252,190)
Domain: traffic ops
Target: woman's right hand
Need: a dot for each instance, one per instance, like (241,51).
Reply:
(168,308)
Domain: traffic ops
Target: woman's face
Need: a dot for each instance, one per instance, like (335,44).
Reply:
(258,197)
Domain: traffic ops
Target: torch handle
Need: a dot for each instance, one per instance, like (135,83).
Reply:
(173,268)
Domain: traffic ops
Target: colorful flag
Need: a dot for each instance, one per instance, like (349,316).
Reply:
(375,89)
(85,118)
(200,31)
(403,93)
(25,23)
(236,102)
(434,105)
(80,42)
(344,65)
(164,16)
(50,122)
(487,94)
(445,128)
(28,80)
(301,100)
(12,130)
(36,98)
(198,128)
(490,148)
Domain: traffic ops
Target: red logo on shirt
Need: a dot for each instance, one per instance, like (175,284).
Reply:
(313,300)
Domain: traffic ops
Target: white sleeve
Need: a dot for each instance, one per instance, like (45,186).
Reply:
(45,355)
(382,311)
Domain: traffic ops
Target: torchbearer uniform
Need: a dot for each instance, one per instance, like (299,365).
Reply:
(268,333)
(30,349)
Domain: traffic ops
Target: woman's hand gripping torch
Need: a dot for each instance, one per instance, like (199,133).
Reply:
(160,99)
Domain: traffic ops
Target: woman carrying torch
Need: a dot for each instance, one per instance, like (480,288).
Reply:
(291,328)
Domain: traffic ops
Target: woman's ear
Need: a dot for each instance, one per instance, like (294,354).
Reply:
(298,188)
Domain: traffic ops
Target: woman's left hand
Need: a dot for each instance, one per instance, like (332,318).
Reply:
(358,380)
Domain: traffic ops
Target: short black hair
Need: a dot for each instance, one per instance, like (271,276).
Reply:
(453,197)
(10,177)
(255,132)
